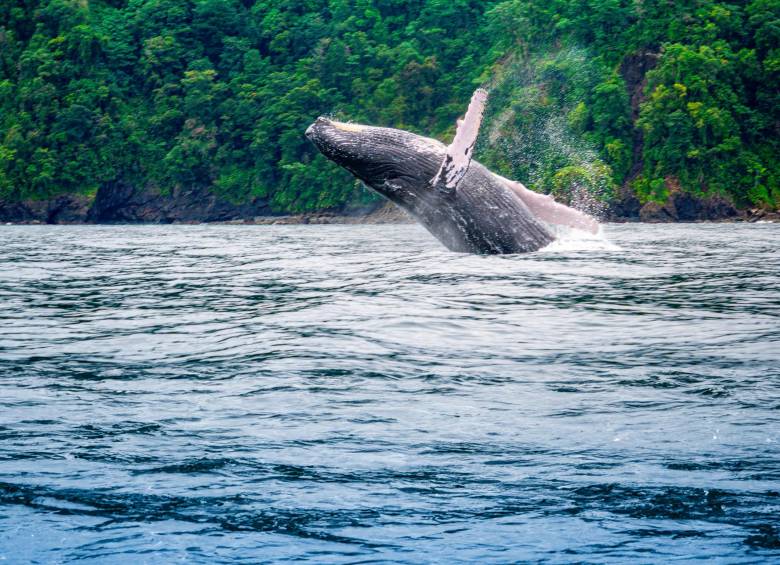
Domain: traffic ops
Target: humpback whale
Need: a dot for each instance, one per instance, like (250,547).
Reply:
(459,201)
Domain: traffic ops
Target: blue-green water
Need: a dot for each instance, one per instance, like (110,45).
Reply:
(244,394)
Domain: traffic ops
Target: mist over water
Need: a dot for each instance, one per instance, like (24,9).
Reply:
(358,393)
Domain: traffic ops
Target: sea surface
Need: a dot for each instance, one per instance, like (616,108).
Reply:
(358,394)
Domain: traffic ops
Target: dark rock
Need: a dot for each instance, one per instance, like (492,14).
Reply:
(18,212)
(65,209)
(688,208)
(122,202)
(625,208)
(654,213)
(762,215)
(68,209)
(719,208)
(634,69)
(684,207)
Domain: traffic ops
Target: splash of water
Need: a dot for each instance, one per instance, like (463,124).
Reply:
(537,138)
(569,239)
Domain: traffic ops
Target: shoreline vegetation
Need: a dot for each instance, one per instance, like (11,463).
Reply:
(166,111)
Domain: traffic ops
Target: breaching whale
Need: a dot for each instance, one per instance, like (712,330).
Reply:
(463,204)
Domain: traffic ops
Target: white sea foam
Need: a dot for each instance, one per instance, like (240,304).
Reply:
(569,239)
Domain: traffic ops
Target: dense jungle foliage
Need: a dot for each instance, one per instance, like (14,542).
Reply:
(218,93)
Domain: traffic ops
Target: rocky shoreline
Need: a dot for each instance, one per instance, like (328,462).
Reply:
(121,203)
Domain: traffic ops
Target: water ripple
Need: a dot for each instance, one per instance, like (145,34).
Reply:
(247,394)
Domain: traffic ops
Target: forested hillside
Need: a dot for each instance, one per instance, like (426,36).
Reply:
(649,95)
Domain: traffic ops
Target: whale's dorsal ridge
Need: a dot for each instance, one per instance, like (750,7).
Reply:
(459,153)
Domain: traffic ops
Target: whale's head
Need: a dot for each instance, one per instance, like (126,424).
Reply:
(392,162)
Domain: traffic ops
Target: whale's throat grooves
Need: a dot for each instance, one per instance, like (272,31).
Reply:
(481,217)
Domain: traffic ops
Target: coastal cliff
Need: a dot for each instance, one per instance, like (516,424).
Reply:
(122,204)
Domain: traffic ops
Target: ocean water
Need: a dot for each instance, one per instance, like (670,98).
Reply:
(358,394)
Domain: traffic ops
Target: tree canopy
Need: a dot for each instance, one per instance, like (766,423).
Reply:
(218,93)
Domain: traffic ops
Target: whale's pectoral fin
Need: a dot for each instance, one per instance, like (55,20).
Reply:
(459,153)
(546,208)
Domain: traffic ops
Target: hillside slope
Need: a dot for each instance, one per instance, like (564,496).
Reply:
(163,110)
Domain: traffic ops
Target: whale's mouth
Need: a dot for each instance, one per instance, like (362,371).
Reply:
(385,159)
(349,145)
(330,136)
(311,131)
